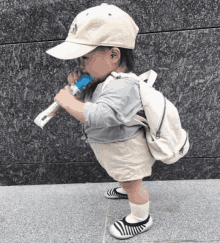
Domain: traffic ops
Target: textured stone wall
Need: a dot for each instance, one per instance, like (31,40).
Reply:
(179,39)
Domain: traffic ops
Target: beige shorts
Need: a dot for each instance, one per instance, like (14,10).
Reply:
(125,161)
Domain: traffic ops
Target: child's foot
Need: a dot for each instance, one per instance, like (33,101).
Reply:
(116,193)
(124,230)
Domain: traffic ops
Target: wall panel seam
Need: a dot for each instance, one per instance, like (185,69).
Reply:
(147,33)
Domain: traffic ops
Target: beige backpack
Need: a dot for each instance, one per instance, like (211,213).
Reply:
(166,139)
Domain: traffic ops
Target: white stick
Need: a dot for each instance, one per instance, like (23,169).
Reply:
(45,116)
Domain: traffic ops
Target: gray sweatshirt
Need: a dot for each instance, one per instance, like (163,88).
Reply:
(107,111)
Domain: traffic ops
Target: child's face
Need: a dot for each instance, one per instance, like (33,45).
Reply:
(100,64)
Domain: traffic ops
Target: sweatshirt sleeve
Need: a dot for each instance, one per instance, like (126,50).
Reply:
(116,105)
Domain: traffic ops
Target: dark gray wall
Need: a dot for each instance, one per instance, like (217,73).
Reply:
(179,39)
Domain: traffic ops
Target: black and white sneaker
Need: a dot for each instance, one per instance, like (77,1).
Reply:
(124,230)
(113,194)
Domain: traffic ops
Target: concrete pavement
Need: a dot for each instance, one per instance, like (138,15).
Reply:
(183,211)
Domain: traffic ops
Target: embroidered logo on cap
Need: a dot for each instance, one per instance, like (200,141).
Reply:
(74,29)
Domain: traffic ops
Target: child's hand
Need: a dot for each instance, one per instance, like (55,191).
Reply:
(65,97)
(73,78)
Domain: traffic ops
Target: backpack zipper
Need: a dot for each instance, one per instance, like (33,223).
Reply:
(164,111)
(181,150)
(159,132)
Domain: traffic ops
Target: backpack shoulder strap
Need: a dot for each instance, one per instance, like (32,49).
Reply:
(150,76)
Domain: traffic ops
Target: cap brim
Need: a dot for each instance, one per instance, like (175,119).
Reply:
(69,50)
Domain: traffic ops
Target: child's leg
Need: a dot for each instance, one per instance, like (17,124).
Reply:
(138,200)
(137,194)
(138,220)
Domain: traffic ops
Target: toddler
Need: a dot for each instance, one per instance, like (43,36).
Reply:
(102,38)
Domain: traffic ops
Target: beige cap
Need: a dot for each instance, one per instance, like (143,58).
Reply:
(104,25)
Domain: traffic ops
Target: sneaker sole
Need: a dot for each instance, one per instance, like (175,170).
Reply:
(113,194)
